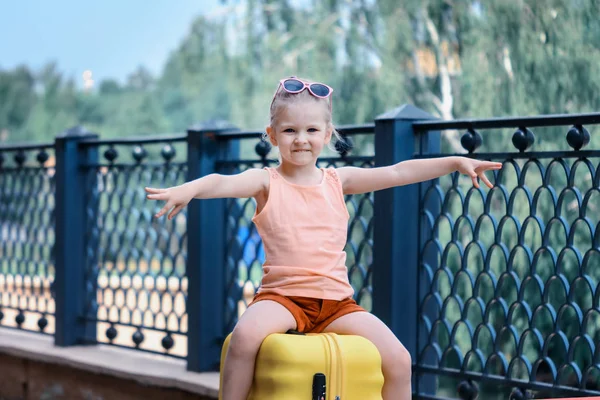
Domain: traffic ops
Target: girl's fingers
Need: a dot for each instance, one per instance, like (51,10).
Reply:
(491,165)
(164,210)
(158,196)
(486,180)
(475,181)
(154,190)
(487,165)
(175,211)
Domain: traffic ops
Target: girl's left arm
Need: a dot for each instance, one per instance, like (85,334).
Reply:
(363,180)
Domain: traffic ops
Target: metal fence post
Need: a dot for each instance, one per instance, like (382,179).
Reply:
(396,227)
(205,267)
(70,241)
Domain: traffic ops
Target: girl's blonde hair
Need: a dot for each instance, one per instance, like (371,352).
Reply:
(282,99)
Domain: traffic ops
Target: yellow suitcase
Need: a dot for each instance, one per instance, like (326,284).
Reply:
(286,366)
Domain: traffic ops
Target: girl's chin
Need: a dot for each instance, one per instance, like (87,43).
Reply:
(302,160)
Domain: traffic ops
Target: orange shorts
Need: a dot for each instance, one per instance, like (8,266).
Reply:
(312,315)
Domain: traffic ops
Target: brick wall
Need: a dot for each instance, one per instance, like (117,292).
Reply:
(23,379)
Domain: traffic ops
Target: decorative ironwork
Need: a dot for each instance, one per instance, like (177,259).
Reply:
(139,153)
(137,287)
(471,140)
(523,139)
(508,289)
(509,284)
(27,238)
(262,149)
(578,137)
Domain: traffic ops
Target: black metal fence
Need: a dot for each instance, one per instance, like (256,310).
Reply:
(509,295)
(135,263)
(27,237)
(486,288)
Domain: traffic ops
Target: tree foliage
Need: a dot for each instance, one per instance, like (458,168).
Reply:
(461,58)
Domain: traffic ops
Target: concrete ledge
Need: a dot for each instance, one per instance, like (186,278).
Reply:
(145,369)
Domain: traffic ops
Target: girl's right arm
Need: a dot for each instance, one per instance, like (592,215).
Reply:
(243,185)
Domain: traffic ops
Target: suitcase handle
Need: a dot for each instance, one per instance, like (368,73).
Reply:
(319,387)
(295,332)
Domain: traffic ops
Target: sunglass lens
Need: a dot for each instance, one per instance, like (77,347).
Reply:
(319,90)
(293,85)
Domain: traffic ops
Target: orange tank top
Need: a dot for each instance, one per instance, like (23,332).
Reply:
(304,231)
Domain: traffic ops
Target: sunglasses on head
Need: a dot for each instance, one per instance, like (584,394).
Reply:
(295,85)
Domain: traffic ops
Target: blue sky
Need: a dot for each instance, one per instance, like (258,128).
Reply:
(109,37)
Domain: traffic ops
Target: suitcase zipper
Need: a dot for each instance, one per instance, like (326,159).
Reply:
(340,359)
(328,368)
(337,367)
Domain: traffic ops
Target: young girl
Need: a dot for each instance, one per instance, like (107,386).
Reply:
(302,219)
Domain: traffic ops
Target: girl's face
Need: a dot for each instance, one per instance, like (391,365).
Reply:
(301,132)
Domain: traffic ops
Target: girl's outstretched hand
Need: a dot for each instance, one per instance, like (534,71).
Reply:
(176,196)
(476,169)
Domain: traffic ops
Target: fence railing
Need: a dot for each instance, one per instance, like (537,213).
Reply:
(27,237)
(508,278)
(486,288)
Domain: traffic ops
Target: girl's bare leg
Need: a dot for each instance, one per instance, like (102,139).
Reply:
(256,323)
(396,361)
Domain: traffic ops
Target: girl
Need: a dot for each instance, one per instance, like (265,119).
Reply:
(302,219)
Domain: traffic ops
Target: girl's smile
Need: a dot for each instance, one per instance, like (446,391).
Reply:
(301,131)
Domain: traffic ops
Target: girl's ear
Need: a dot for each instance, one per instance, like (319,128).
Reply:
(271,134)
(328,134)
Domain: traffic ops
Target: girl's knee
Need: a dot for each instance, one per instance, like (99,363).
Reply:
(397,363)
(246,340)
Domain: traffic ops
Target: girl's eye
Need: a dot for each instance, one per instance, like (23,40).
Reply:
(312,129)
(289,130)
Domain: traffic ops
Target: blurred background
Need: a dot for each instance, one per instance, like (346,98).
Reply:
(128,68)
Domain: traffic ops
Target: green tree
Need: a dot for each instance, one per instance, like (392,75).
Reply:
(18,99)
